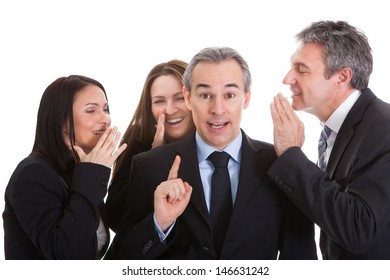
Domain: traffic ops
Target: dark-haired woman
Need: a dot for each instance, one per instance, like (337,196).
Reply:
(54,200)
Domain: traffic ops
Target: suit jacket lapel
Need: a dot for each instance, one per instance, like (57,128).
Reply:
(189,171)
(251,172)
(347,129)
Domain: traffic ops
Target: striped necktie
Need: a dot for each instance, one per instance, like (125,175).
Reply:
(322,145)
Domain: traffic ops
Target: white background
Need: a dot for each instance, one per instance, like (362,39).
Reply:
(118,42)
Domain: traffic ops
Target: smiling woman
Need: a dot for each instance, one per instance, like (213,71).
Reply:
(161,117)
(55,196)
(118,42)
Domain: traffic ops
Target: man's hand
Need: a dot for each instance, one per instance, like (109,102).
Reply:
(289,130)
(171,197)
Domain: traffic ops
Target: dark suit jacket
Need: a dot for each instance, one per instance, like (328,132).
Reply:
(351,202)
(119,188)
(45,219)
(263,222)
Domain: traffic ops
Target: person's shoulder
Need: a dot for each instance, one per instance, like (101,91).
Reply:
(381,108)
(376,112)
(261,149)
(257,144)
(33,162)
(32,169)
(158,152)
(373,103)
(185,144)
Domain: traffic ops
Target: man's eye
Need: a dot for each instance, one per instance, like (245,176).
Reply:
(230,95)
(205,96)
(301,69)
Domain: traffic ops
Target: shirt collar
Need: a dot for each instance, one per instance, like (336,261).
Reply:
(337,118)
(204,150)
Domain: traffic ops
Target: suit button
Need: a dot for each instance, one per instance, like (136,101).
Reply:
(148,245)
(205,248)
(104,182)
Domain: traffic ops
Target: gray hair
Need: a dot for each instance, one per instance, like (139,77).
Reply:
(344,46)
(215,56)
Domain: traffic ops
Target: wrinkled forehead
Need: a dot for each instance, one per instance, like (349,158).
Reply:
(225,72)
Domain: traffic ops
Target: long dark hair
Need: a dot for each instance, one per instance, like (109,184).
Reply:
(55,110)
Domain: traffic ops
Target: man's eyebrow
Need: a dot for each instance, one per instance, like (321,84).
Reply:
(301,64)
(232,85)
(201,85)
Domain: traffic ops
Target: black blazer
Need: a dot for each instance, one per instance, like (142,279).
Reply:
(45,219)
(263,223)
(118,190)
(351,202)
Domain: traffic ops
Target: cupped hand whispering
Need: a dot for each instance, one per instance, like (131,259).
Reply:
(159,137)
(288,128)
(105,152)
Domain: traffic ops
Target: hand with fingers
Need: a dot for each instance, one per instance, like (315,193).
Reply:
(288,128)
(105,152)
(159,136)
(171,197)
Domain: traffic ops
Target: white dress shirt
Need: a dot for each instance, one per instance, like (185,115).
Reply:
(335,121)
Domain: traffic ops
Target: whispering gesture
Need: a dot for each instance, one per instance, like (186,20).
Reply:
(104,152)
(160,131)
(288,128)
(171,197)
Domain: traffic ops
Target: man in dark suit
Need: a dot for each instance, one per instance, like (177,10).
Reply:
(171,197)
(350,198)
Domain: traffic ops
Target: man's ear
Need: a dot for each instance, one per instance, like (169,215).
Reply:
(247,99)
(187,98)
(345,76)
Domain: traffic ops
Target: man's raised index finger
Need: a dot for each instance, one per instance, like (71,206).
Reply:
(173,173)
